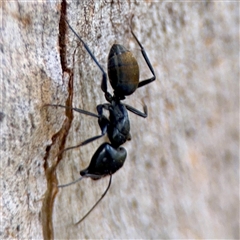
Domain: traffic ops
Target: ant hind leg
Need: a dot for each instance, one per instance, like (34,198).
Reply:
(146,81)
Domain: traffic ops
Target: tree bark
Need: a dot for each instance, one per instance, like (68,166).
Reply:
(181,175)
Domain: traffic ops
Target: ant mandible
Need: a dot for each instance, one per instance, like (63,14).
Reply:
(123,74)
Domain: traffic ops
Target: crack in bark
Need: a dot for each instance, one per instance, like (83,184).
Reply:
(59,138)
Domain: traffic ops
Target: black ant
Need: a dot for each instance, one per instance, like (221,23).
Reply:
(123,73)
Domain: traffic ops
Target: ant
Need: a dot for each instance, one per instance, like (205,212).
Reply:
(123,74)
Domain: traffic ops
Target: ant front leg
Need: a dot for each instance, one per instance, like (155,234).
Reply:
(103,122)
(143,114)
(147,81)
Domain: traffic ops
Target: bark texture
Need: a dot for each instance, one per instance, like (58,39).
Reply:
(181,176)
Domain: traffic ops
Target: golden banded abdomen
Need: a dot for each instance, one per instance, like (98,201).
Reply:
(123,70)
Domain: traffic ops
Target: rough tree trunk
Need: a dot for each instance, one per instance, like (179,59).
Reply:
(180,179)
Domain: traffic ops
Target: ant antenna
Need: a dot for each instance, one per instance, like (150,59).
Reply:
(68,184)
(109,184)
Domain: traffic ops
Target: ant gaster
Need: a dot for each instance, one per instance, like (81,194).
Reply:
(123,74)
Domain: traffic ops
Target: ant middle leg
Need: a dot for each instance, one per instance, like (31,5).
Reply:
(75,109)
(102,121)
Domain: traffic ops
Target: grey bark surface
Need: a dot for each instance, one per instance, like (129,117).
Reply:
(181,176)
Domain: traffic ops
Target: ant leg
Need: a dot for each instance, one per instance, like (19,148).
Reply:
(104,75)
(143,114)
(109,184)
(75,109)
(84,142)
(71,183)
(147,81)
(102,121)
(100,108)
